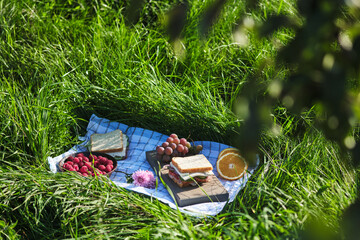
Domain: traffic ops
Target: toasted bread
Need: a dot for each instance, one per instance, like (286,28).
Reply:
(107,142)
(192,164)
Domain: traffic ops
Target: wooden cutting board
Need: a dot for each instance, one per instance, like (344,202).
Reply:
(212,191)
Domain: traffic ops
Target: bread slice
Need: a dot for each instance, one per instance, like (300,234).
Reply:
(107,142)
(192,164)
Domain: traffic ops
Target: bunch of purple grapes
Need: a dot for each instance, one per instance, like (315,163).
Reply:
(175,147)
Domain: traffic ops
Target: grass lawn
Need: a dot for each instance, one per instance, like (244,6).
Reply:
(61,61)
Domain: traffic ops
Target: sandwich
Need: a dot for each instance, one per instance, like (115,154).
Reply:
(191,170)
(107,142)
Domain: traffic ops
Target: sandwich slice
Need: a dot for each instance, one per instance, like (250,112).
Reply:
(192,170)
(122,154)
(107,142)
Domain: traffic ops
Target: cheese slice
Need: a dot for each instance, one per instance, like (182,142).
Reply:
(187,176)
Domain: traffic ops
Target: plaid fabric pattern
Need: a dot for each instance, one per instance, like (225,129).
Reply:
(143,140)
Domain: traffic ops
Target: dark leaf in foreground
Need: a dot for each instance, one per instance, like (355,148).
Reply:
(209,16)
(177,20)
(274,23)
(133,11)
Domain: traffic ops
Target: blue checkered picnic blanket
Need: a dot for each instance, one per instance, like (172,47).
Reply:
(142,140)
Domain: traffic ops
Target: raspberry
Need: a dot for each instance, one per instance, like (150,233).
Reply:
(70,158)
(101,167)
(88,165)
(81,164)
(109,168)
(85,174)
(70,163)
(109,162)
(85,159)
(96,163)
(103,161)
(83,169)
(76,168)
(80,155)
(76,160)
(66,166)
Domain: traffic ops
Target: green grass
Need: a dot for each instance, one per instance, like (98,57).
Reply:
(62,62)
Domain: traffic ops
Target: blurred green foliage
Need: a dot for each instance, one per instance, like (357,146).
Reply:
(323,59)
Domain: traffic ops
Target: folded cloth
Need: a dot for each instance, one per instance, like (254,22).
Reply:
(143,140)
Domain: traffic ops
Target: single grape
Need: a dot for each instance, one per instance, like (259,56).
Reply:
(168,151)
(170,140)
(176,140)
(173,135)
(165,144)
(186,150)
(175,153)
(188,145)
(180,148)
(183,141)
(198,148)
(160,150)
(173,146)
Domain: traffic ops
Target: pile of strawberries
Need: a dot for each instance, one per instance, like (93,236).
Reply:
(88,166)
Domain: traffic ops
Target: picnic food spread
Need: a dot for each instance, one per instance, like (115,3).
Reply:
(191,170)
(133,173)
(188,173)
(230,164)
